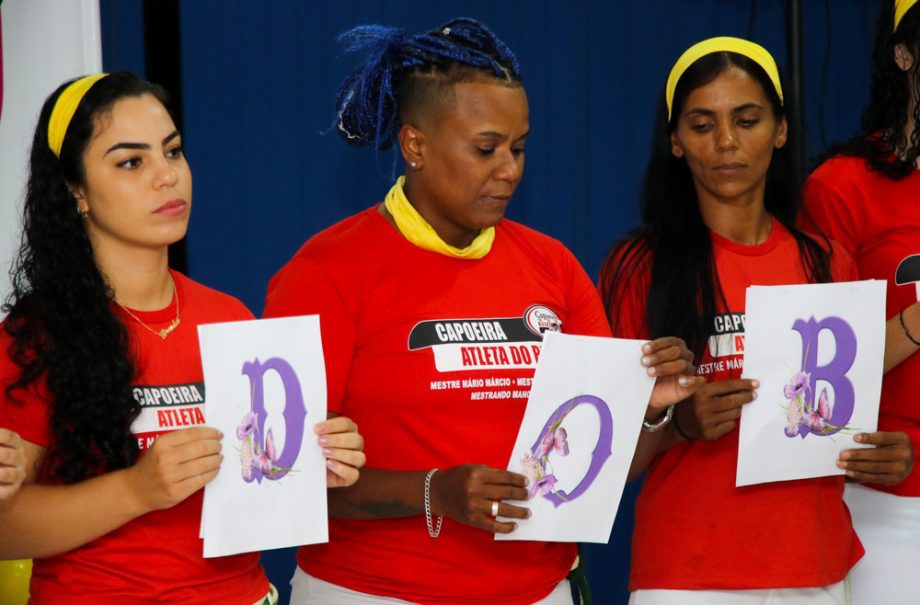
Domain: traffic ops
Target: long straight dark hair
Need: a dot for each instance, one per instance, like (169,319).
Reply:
(673,243)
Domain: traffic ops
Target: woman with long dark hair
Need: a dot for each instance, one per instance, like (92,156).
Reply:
(866,195)
(428,302)
(100,364)
(719,205)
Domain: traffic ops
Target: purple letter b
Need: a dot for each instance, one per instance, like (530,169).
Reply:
(834,372)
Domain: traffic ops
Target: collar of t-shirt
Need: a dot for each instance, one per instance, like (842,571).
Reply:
(768,245)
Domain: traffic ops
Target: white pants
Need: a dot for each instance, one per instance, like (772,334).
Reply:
(836,594)
(308,590)
(889,528)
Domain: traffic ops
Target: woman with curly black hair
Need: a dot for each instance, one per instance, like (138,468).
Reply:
(101,373)
(866,195)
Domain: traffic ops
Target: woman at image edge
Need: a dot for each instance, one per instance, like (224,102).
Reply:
(98,330)
(719,206)
(866,195)
(389,282)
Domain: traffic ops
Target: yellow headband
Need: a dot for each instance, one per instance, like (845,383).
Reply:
(752,51)
(64,108)
(900,9)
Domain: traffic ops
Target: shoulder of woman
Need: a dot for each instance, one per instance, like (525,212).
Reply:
(836,173)
(226,306)
(349,237)
(628,258)
(843,266)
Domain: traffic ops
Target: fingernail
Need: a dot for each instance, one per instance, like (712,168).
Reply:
(753,394)
(319,426)
(529,513)
(755,384)
(841,464)
(651,371)
(683,381)
(328,453)
(860,437)
(845,455)
(851,474)
(323,440)
(647,348)
(646,360)
(330,463)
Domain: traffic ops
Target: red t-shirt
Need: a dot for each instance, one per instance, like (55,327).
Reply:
(877,220)
(694,529)
(433,356)
(156,558)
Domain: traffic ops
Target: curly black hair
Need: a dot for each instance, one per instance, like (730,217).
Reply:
(65,337)
(882,140)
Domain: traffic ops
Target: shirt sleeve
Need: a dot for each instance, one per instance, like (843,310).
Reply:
(26,411)
(831,207)
(843,267)
(626,305)
(585,311)
(304,287)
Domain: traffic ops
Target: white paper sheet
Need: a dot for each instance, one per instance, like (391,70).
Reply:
(265,384)
(588,399)
(817,350)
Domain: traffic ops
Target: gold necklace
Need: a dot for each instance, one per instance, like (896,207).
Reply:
(165,331)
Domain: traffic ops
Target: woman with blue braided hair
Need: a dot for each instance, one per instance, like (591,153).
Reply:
(864,194)
(432,308)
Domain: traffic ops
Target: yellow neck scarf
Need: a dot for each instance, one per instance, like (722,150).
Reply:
(417,230)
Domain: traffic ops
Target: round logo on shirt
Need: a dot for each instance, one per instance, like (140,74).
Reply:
(540,319)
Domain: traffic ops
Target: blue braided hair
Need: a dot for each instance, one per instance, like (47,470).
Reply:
(401,74)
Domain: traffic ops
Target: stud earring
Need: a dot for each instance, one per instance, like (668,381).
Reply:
(83,212)
(413,164)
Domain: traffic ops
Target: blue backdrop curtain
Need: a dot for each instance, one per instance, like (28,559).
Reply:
(259,82)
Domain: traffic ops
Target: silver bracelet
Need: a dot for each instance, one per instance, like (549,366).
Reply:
(648,427)
(433,531)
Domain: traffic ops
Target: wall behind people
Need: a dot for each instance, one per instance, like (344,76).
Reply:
(259,82)
(42,43)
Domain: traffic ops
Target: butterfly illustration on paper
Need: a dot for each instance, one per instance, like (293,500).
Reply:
(536,465)
(803,415)
(258,460)
(555,440)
